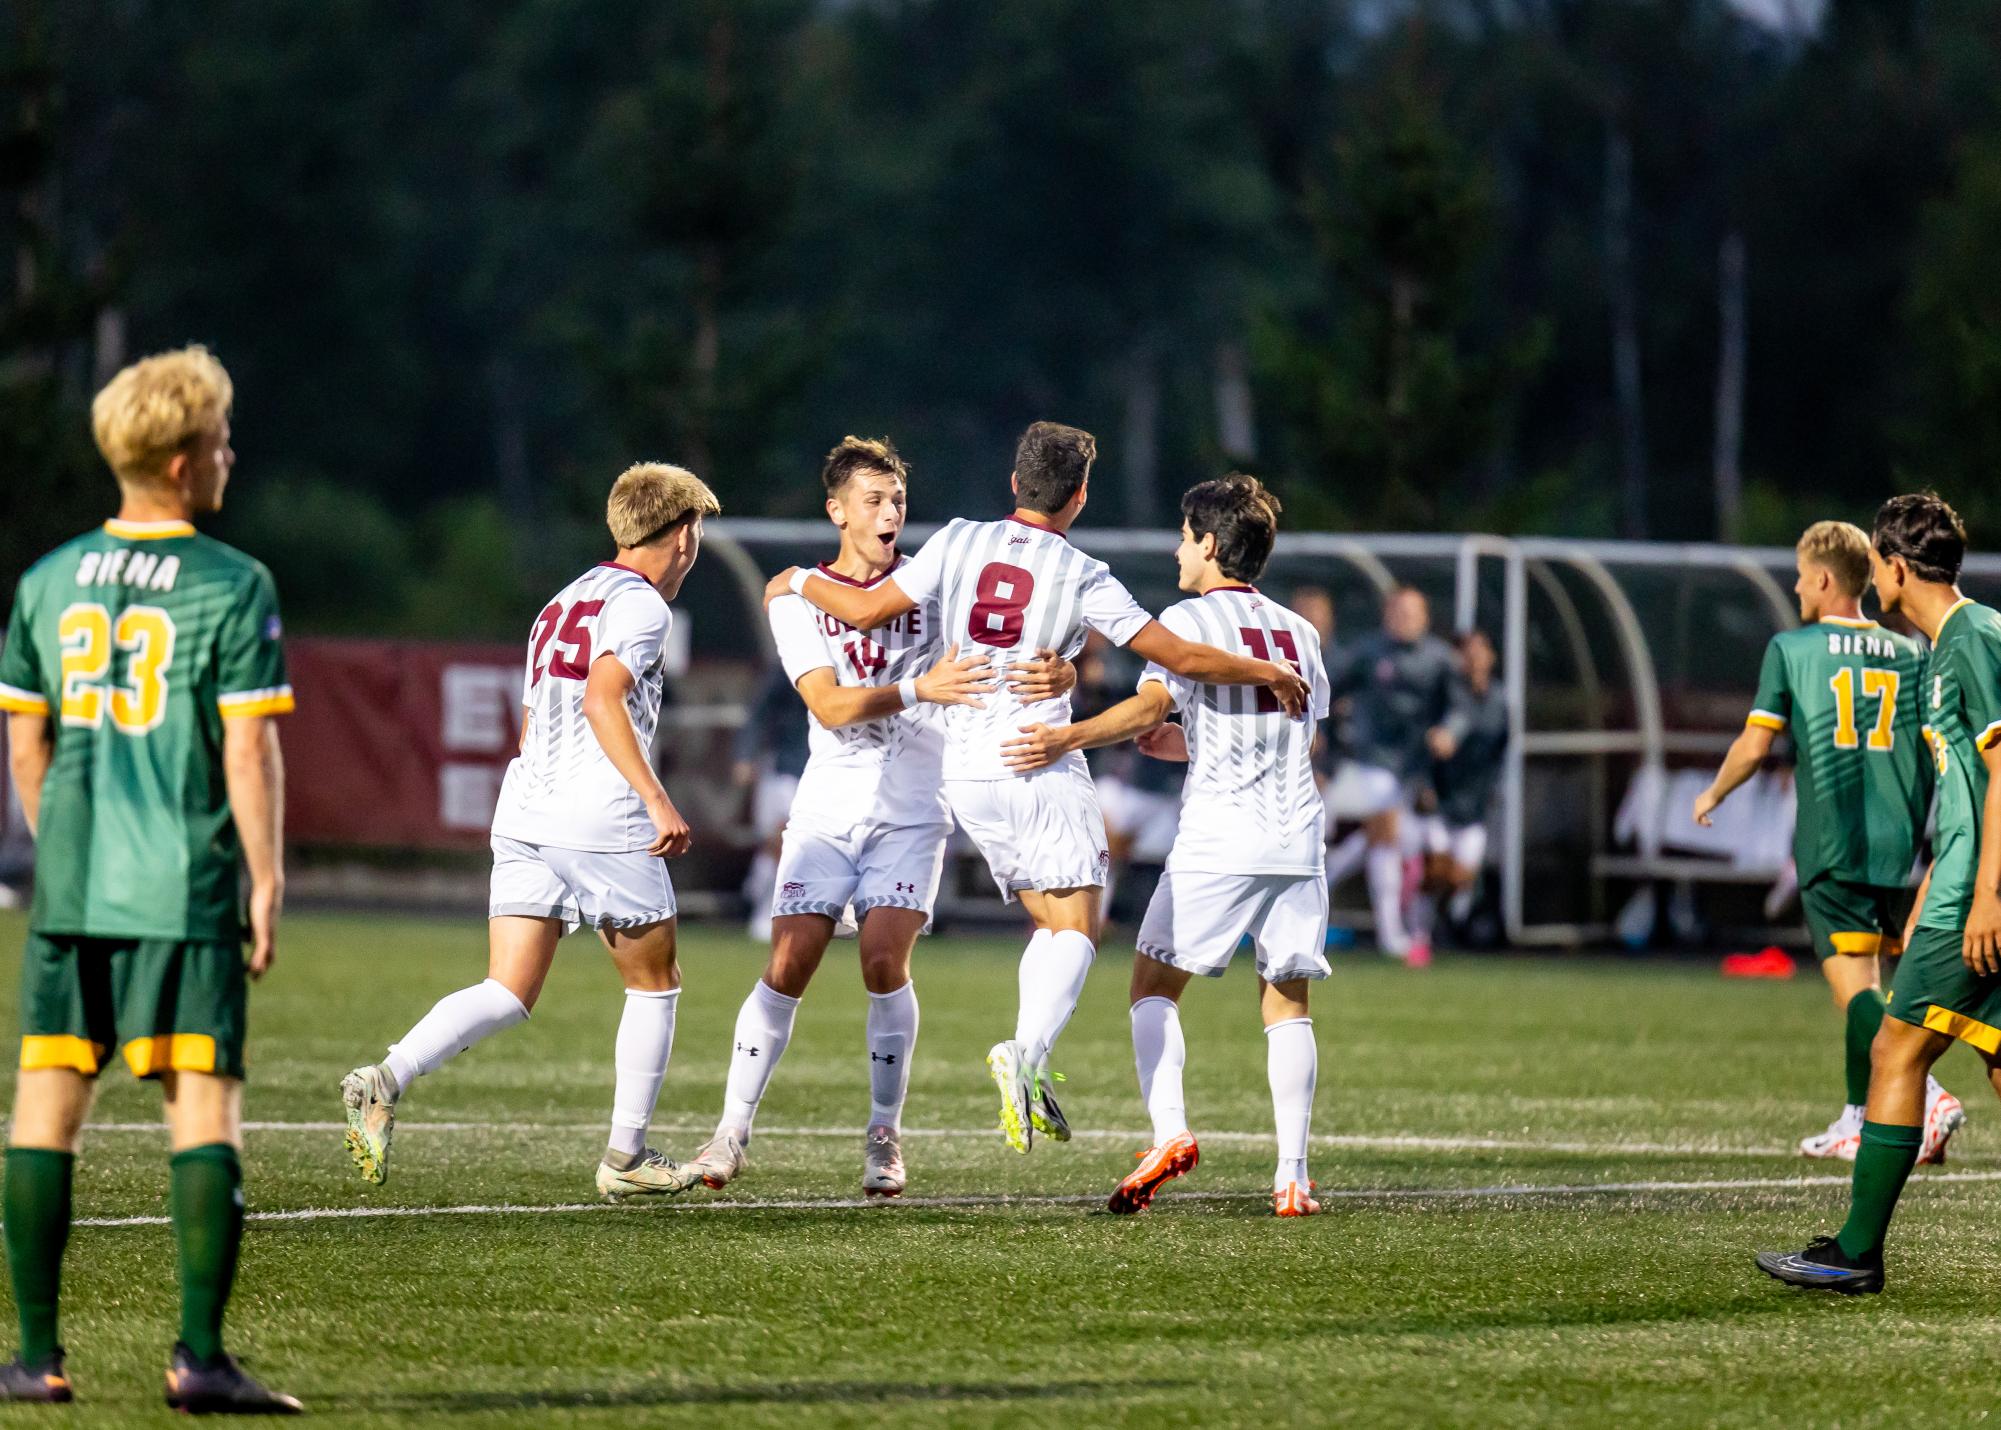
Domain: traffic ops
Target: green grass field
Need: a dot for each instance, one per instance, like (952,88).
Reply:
(1544,1182)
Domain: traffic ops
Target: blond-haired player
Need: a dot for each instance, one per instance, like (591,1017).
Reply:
(141,675)
(580,834)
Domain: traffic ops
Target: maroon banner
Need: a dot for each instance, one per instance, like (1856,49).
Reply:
(398,744)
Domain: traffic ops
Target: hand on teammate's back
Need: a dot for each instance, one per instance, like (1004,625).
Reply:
(1043,676)
(1291,689)
(779,585)
(671,833)
(1035,747)
(1166,741)
(956,680)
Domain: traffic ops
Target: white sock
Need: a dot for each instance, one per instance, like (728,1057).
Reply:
(1347,856)
(892,1037)
(1386,896)
(1160,1053)
(645,1042)
(1292,1063)
(763,1028)
(1053,969)
(455,1022)
(1461,902)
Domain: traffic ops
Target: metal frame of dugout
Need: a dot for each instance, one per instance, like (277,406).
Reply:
(1580,593)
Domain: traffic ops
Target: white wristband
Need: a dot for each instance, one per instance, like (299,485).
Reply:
(799,581)
(907,688)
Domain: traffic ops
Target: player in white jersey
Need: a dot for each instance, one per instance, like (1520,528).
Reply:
(868,826)
(579,836)
(1247,859)
(1008,586)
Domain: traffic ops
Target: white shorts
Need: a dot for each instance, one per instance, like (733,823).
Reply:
(869,866)
(1360,791)
(1464,844)
(1039,831)
(1195,922)
(624,890)
(1148,818)
(771,802)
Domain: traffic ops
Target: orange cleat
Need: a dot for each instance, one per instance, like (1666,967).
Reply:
(1157,1167)
(1295,1200)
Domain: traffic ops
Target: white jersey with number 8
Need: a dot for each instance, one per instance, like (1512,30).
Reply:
(562,789)
(1009,588)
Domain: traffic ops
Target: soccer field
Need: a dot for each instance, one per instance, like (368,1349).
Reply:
(1544,1180)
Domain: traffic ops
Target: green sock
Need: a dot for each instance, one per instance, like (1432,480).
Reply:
(1865,1016)
(208,1224)
(37,1206)
(1882,1164)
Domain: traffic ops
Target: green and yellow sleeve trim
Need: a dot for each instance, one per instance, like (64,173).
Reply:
(1986,738)
(16,701)
(1766,720)
(276,700)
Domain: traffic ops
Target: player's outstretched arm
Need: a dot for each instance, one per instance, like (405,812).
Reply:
(954,680)
(1981,947)
(1746,753)
(1210,666)
(863,607)
(1040,745)
(253,773)
(30,751)
(605,693)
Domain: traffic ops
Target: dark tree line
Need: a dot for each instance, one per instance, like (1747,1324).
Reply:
(1578,266)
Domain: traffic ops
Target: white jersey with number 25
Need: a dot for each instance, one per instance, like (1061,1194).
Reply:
(1010,588)
(562,789)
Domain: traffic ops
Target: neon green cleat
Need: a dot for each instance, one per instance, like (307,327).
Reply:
(1010,1074)
(1043,1113)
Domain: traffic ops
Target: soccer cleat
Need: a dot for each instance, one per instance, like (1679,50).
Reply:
(1157,1167)
(1823,1266)
(1010,1074)
(1295,1199)
(882,1163)
(653,1176)
(1418,955)
(1841,1139)
(371,1120)
(717,1163)
(42,1383)
(1944,1115)
(220,1387)
(1043,1113)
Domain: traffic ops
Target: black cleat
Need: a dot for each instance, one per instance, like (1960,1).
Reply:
(1823,1266)
(220,1387)
(43,1383)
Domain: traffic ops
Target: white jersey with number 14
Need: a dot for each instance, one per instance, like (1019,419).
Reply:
(1008,589)
(562,789)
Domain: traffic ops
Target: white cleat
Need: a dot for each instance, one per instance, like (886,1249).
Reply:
(1944,1115)
(371,1121)
(653,1176)
(1008,1065)
(718,1163)
(1841,1139)
(882,1163)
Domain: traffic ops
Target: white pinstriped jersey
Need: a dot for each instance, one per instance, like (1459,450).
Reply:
(880,771)
(1011,588)
(562,789)
(1249,805)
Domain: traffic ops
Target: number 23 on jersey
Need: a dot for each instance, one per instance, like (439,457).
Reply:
(89,636)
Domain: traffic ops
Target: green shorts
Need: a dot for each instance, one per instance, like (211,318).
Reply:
(1861,920)
(164,1003)
(1935,989)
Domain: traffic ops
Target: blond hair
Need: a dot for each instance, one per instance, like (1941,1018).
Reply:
(157,408)
(650,498)
(1842,549)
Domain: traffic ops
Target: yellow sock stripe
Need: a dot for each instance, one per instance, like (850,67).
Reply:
(1863,945)
(60,1050)
(186,1052)
(1967,1030)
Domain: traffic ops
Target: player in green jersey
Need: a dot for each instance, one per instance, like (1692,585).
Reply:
(140,677)
(1949,982)
(1848,690)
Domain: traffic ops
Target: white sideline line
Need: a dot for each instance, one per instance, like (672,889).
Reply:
(1360,1141)
(1359,1194)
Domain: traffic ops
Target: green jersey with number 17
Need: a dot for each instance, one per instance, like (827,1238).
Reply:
(1962,711)
(1848,690)
(137,640)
